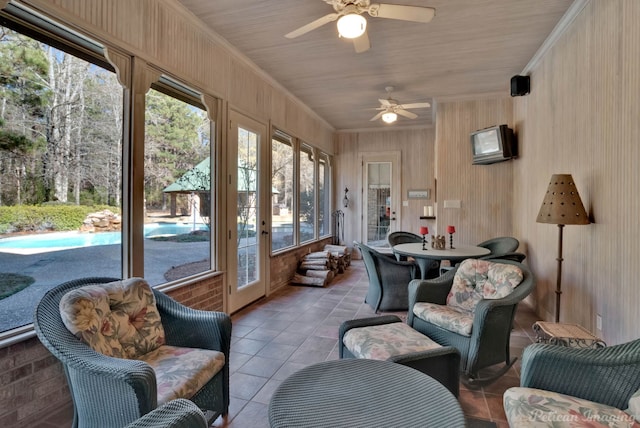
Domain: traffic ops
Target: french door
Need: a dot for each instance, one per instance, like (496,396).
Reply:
(381,196)
(248,201)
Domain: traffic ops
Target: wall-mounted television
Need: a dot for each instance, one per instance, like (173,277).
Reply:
(493,144)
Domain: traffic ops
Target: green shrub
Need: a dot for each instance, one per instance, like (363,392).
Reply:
(52,216)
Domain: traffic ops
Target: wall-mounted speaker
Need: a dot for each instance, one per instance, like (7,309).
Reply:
(520,85)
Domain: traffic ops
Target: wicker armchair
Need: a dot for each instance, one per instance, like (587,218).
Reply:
(388,280)
(500,245)
(558,383)
(113,392)
(487,342)
(179,413)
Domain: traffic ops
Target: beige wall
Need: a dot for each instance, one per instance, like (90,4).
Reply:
(485,192)
(583,117)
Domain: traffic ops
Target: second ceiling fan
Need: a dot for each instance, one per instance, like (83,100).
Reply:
(390,108)
(352,25)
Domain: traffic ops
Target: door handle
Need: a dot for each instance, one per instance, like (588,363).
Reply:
(264,232)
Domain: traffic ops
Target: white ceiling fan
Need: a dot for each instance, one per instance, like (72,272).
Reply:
(390,108)
(352,25)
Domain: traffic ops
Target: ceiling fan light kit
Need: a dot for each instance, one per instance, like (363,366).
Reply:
(389,117)
(352,26)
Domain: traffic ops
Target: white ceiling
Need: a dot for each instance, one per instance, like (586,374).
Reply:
(471,48)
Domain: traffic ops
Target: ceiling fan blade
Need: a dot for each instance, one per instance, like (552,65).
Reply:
(405,13)
(384,103)
(312,25)
(415,105)
(362,44)
(377,116)
(406,113)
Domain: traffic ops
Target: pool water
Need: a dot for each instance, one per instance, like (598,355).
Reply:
(64,240)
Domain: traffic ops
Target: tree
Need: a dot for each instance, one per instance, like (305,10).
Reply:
(23,97)
(175,141)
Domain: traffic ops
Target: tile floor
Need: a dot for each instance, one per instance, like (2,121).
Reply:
(298,326)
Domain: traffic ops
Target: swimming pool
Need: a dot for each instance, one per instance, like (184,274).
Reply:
(56,241)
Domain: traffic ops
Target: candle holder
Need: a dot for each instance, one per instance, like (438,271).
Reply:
(451,230)
(423,231)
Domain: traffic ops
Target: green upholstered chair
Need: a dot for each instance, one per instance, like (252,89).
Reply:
(472,308)
(570,386)
(388,280)
(110,391)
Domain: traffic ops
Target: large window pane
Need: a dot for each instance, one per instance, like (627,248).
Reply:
(324,195)
(60,171)
(307,194)
(177,188)
(282,177)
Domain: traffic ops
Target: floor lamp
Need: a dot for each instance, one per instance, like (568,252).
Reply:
(561,205)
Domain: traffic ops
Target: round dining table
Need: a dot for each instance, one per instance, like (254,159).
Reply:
(425,257)
(365,394)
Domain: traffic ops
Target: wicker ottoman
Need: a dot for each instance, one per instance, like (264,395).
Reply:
(388,338)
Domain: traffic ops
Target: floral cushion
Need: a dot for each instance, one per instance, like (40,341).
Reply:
(181,372)
(530,407)
(381,342)
(448,317)
(482,279)
(118,319)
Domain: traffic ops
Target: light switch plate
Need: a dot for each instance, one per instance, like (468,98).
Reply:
(405,203)
(452,203)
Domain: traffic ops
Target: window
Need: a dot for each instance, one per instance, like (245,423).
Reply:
(307,183)
(177,224)
(324,195)
(282,181)
(61,116)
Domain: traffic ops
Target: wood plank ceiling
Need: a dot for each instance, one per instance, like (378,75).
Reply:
(471,48)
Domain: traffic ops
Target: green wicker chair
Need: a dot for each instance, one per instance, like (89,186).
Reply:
(113,392)
(596,383)
(487,344)
(178,413)
(388,280)
(500,245)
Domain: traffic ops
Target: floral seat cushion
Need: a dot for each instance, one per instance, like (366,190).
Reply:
(381,342)
(118,319)
(536,408)
(448,317)
(181,372)
(482,279)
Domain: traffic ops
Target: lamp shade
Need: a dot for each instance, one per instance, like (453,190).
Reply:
(451,229)
(562,203)
(424,230)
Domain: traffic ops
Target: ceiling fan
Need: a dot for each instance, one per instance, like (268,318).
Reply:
(352,25)
(390,108)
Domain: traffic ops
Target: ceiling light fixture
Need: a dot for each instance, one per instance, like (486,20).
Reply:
(352,25)
(389,117)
